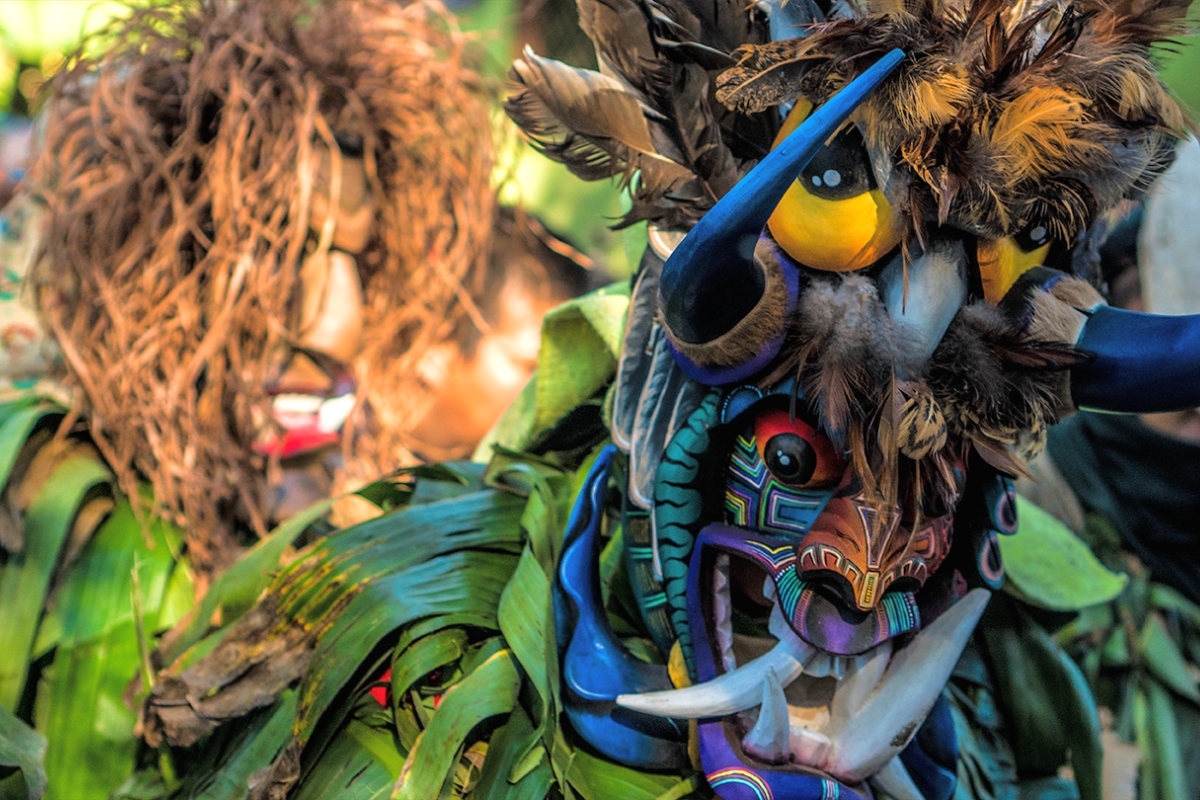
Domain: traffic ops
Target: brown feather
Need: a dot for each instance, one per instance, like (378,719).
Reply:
(591,123)
(765,75)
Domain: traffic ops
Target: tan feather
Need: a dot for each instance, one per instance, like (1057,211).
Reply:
(922,428)
(766,75)
(1002,457)
(1041,132)
(933,97)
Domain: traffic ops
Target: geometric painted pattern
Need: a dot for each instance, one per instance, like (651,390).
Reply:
(896,613)
(755,499)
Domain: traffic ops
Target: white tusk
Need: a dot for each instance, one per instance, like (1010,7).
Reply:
(728,693)
(907,690)
(768,739)
(858,685)
(895,781)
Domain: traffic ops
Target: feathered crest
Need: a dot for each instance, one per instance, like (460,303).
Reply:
(1004,116)
(647,116)
(1008,114)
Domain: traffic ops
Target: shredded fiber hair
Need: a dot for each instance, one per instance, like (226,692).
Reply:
(179,173)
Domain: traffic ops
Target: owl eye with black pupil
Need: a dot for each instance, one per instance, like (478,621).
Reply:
(1033,237)
(841,169)
(790,458)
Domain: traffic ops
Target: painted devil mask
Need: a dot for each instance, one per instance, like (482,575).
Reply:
(816,642)
(826,382)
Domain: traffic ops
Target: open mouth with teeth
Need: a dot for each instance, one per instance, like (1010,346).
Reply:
(309,411)
(805,719)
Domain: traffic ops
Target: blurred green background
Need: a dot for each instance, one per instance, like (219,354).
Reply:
(36,36)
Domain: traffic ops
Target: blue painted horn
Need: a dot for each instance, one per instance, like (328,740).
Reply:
(596,666)
(726,311)
(1143,363)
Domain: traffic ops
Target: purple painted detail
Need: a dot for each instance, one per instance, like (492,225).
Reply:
(733,779)
(816,618)
(720,376)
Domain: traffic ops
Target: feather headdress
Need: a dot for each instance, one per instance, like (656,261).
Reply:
(1009,114)
(997,143)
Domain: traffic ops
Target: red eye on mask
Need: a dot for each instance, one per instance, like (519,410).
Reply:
(795,452)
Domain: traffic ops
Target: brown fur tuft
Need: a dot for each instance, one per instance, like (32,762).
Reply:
(178,171)
(1005,115)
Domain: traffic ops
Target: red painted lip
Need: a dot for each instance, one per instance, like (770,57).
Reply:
(295,441)
(298,436)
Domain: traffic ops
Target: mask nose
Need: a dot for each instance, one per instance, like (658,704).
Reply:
(855,552)
(331,317)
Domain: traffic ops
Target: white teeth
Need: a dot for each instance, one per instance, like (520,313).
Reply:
(726,694)
(723,612)
(906,692)
(820,666)
(861,679)
(895,781)
(296,404)
(769,739)
(880,699)
(334,413)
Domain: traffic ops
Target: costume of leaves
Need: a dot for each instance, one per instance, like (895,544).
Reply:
(203,167)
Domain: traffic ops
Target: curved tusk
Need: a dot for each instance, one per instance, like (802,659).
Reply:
(907,691)
(728,693)
(1144,363)
(710,282)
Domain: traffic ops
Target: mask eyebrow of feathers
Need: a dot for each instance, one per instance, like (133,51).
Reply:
(1007,114)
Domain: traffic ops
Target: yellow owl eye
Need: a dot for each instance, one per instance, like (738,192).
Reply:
(834,217)
(1003,261)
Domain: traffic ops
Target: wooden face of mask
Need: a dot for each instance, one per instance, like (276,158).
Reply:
(786,479)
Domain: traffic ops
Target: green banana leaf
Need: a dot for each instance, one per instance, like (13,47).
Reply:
(446,602)
(488,691)
(354,589)
(27,578)
(1050,710)
(112,597)
(236,590)
(84,586)
(1164,660)
(361,764)
(581,340)
(1164,745)
(22,749)
(1050,567)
